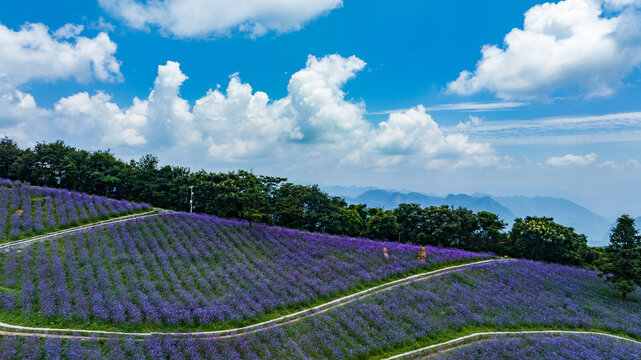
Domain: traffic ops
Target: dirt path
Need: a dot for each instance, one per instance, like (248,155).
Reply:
(241,331)
(19,244)
(428,351)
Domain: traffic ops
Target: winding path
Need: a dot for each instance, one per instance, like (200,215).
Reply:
(19,244)
(424,352)
(8,329)
(427,351)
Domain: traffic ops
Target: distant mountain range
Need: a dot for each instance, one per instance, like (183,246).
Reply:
(389,200)
(565,212)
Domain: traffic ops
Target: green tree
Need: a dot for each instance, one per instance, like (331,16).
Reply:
(540,238)
(490,235)
(144,179)
(52,165)
(9,153)
(622,260)
(382,225)
(411,220)
(307,207)
(23,168)
(352,223)
(441,226)
(467,227)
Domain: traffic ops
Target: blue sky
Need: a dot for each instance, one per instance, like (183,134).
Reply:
(366,93)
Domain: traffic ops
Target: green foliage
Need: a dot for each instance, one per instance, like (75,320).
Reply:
(273,200)
(540,238)
(622,261)
(9,153)
(443,226)
(382,225)
(490,235)
(412,221)
(593,257)
(351,222)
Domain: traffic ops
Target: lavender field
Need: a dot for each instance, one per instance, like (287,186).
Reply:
(541,346)
(512,295)
(31,210)
(179,271)
(531,347)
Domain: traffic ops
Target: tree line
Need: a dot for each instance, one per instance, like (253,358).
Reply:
(275,201)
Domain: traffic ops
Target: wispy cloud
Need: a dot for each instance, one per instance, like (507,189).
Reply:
(465,106)
(618,127)
(572,160)
(477,106)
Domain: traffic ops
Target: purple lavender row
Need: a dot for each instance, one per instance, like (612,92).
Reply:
(537,346)
(29,210)
(179,269)
(514,295)
(541,346)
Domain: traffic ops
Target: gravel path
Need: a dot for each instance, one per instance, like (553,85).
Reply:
(19,244)
(241,331)
(431,350)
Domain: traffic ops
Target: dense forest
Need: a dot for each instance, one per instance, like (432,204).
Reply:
(274,200)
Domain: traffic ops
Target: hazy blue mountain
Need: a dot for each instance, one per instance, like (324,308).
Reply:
(346,191)
(389,200)
(564,212)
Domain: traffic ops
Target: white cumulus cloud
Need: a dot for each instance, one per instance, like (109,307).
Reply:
(586,44)
(81,114)
(34,53)
(317,100)
(241,123)
(572,160)
(201,18)
(413,135)
(315,121)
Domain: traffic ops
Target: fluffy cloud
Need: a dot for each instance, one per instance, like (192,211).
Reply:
(590,44)
(163,119)
(240,123)
(34,53)
(314,121)
(572,160)
(415,133)
(317,101)
(200,18)
(81,113)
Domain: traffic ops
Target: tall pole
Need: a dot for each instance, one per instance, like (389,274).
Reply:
(191,199)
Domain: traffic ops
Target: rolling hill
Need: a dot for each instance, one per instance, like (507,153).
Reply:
(190,286)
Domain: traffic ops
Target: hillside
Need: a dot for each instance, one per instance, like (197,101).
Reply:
(196,272)
(32,210)
(532,296)
(544,346)
(222,289)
